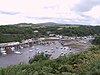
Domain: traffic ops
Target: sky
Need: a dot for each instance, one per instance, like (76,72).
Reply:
(58,11)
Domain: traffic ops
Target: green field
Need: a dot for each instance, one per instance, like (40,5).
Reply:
(70,26)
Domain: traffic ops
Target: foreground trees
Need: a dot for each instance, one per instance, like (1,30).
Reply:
(96,41)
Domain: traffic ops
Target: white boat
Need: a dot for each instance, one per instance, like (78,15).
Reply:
(46,51)
(65,47)
(32,46)
(61,48)
(21,47)
(38,51)
(37,48)
(17,52)
(70,52)
(51,48)
(62,52)
(30,50)
(3,51)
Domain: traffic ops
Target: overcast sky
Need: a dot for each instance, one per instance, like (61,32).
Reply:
(59,11)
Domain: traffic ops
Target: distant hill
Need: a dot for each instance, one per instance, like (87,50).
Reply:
(48,24)
(43,24)
(38,24)
(24,24)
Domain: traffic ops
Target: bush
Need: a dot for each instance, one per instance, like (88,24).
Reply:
(38,57)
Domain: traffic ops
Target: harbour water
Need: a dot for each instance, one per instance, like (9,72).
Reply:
(55,49)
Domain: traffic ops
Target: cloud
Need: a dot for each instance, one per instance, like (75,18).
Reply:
(86,5)
(8,13)
(61,11)
(89,10)
(94,12)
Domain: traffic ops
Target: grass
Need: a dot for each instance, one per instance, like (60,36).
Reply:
(70,26)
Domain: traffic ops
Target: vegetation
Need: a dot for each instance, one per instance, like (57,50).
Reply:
(96,41)
(16,33)
(84,63)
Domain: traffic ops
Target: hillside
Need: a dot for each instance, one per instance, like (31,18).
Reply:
(11,33)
